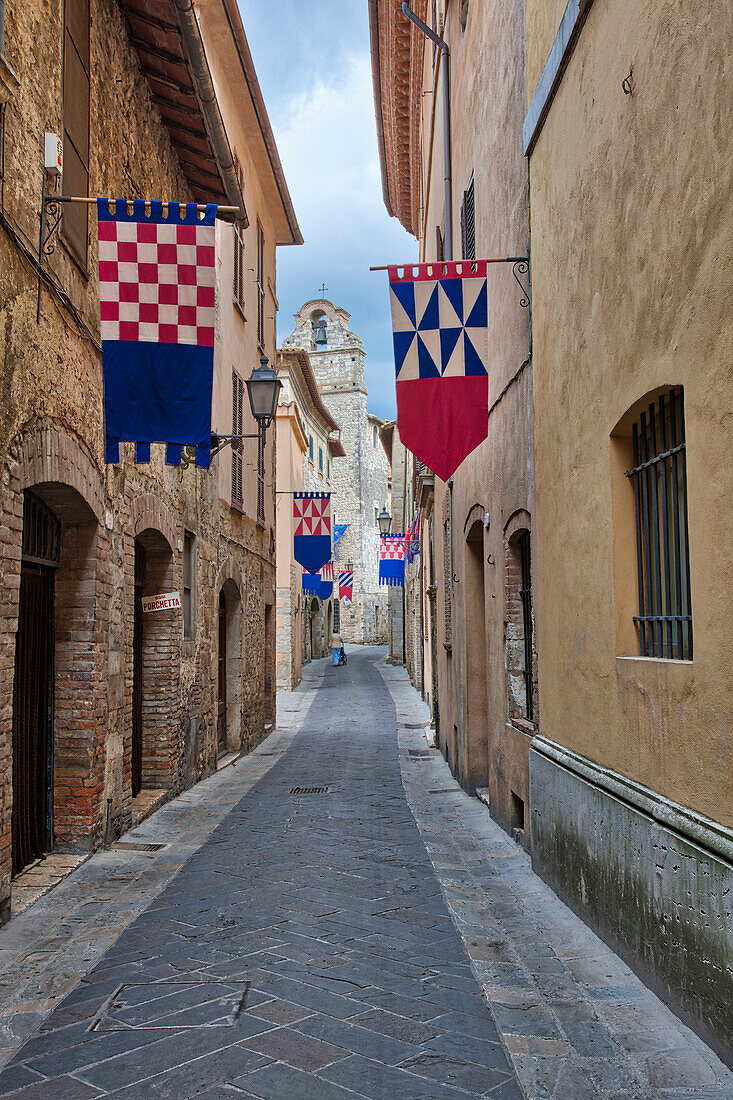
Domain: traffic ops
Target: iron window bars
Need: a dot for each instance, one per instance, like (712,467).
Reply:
(525,595)
(659,478)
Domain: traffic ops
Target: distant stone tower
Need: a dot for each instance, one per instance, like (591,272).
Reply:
(361,479)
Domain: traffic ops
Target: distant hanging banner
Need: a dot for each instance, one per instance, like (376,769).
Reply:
(412,540)
(439,323)
(339,529)
(392,560)
(312,530)
(157,275)
(346,586)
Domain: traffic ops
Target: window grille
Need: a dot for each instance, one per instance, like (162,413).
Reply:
(76,110)
(336,617)
(310,447)
(260,476)
(468,224)
(260,287)
(237,429)
(659,478)
(320,459)
(525,595)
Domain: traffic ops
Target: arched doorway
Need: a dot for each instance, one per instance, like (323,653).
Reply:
(229,670)
(475,765)
(33,685)
(313,611)
(154,656)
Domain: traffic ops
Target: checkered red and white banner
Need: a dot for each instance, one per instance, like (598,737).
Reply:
(157,278)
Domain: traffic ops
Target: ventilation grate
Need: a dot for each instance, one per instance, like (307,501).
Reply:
(137,846)
(310,790)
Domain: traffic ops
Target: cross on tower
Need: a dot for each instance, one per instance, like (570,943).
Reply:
(323,289)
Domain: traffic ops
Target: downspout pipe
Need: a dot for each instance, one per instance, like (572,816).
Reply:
(447,175)
(194,46)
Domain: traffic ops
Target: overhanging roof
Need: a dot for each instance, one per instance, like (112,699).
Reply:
(156,35)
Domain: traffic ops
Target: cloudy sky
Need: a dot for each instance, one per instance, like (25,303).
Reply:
(312,60)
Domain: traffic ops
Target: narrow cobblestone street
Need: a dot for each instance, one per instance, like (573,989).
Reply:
(339,920)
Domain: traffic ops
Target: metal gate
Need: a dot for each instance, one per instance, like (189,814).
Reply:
(137,673)
(32,818)
(221,723)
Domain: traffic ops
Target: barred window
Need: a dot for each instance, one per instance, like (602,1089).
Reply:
(189,574)
(659,479)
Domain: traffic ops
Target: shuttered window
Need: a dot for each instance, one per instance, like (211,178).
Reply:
(237,429)
(260,476)
(468,224)
(260,287)
(238,287)
(75,220)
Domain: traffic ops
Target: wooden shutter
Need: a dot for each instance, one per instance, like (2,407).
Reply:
(468,224)
(76,108)
(260,287)
(237,422)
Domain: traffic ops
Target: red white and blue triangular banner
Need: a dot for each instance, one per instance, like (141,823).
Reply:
(439,324)
(346,586)
(312,530)
(157,278)
(392,559)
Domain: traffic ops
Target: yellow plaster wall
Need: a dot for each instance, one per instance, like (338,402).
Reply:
(631,261)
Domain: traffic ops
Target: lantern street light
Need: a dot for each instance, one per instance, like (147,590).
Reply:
(263,388)
(384,520)
(349,567)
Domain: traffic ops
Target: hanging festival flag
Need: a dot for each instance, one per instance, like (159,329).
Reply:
(339,530)
(157,275)
(327,572)
(346,586)
(312,533)
(392,559)
(439,323)
(412,540)
(311,583)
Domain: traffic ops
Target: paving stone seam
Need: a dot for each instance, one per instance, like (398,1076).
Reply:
(448,853)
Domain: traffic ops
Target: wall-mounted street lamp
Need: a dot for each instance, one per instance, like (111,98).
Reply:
(384,520)
(263,388)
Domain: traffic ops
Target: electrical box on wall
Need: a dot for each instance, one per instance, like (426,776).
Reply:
(53,154)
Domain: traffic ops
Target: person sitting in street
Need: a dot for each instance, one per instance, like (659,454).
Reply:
(336,647)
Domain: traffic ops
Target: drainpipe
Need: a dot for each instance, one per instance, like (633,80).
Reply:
(447,177)
(194,46)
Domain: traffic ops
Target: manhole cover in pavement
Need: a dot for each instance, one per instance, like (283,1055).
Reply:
(172,1006)
(137,846)
(310,790)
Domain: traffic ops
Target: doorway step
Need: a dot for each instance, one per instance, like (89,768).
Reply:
(147,802)
(39,877)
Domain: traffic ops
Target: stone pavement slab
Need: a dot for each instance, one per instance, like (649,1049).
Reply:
(575,1020)
(337,920)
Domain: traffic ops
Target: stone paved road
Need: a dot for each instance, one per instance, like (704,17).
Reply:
(304,948)
(304,951)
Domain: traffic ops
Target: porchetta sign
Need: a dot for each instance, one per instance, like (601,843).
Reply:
(167,601)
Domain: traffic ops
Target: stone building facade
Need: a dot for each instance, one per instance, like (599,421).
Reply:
(360,480)
(307,442)
(105,709)
(612,764)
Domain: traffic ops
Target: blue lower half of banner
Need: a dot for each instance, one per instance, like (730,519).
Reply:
(157,393)
(311,584)
(312,551)
(391,571)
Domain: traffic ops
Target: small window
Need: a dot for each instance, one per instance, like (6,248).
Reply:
(237,429)
(659,480)
(320,459)
(310,447)
(464,14)
(468,224)
(328,467)
(376,516)
(189,576)
(374,435)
